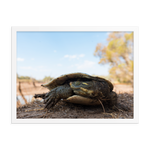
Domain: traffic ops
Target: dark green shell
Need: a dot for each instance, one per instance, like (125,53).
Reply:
(73,77)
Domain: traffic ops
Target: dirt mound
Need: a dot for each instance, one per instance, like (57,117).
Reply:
(124,110)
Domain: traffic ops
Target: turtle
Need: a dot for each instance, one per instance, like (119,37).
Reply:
(79,88)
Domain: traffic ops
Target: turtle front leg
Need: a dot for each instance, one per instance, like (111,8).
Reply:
(56,94)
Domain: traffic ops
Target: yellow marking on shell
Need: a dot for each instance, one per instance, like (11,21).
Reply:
(85,90)
(85,83)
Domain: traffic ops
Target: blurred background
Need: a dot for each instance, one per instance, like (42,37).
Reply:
(42,56)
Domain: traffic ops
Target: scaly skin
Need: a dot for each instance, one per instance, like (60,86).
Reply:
(56,94)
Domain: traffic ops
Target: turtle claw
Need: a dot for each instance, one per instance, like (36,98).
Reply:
(50,99)
(46,99)
(51,103)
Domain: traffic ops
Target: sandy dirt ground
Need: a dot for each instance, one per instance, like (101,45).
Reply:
(34,109)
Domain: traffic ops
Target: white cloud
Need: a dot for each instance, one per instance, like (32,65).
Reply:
(85,65)
(59,65)
(40,66)
(20,59)
(81,55)
(66,56)
(70,56)
(74,56)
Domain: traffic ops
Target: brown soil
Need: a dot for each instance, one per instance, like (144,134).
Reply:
(63,109)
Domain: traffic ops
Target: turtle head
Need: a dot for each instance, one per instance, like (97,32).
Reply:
(82,88)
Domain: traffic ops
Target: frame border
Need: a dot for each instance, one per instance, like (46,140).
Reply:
(136,28)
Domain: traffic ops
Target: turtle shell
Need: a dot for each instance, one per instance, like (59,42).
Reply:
(77,99)
(73,77)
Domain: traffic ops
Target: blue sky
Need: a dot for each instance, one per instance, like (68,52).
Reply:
(41,54)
